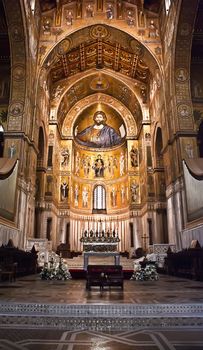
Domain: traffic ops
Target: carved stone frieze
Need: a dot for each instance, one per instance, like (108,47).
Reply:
(181,74)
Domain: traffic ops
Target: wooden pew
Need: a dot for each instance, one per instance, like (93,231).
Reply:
(8,272)
(187,263)
(16,262)
(104,275)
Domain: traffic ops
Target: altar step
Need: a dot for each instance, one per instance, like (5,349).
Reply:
(78,262)
(113,317)
(170,302)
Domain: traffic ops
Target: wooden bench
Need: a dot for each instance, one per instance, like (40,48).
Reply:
(8,272)
(187,263)
(26,261)
(104,275)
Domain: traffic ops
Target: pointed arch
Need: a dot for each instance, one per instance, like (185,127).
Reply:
(41,157)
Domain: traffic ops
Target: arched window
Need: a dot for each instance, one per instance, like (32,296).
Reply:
(40,156)
(158,149)
(167,5)
(99,198)
(32,5)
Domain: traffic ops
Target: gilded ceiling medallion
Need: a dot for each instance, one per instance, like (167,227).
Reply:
(99,83)
(18,73)
(99,31)
(16,108)
(181,74)
(184,111)
(64,46)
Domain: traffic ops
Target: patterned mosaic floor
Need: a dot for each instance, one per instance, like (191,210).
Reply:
(167,290)
(154,306)
(175,339)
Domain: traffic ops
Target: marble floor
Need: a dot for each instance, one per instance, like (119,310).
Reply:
(166,291)
(150,339)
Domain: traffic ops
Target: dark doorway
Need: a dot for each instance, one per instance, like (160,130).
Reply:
(68,234)
(165,226)
(131,235)
(49,227)
(37,223)
(150,231)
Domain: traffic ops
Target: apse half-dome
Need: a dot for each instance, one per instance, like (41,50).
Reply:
(99,128)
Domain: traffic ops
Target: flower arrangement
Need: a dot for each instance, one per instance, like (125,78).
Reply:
(55,271)
(148,273)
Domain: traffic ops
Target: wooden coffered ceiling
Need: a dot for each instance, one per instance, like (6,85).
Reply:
(100,54)
(99,47)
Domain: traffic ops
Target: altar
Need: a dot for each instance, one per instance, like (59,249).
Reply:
(100,244)
(115,255)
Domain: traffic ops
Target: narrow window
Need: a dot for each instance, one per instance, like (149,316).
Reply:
(50,155)
(131,235)
(99,198)
(32,5)
(68,234)
(49,228)
(150,231)
(167,5)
